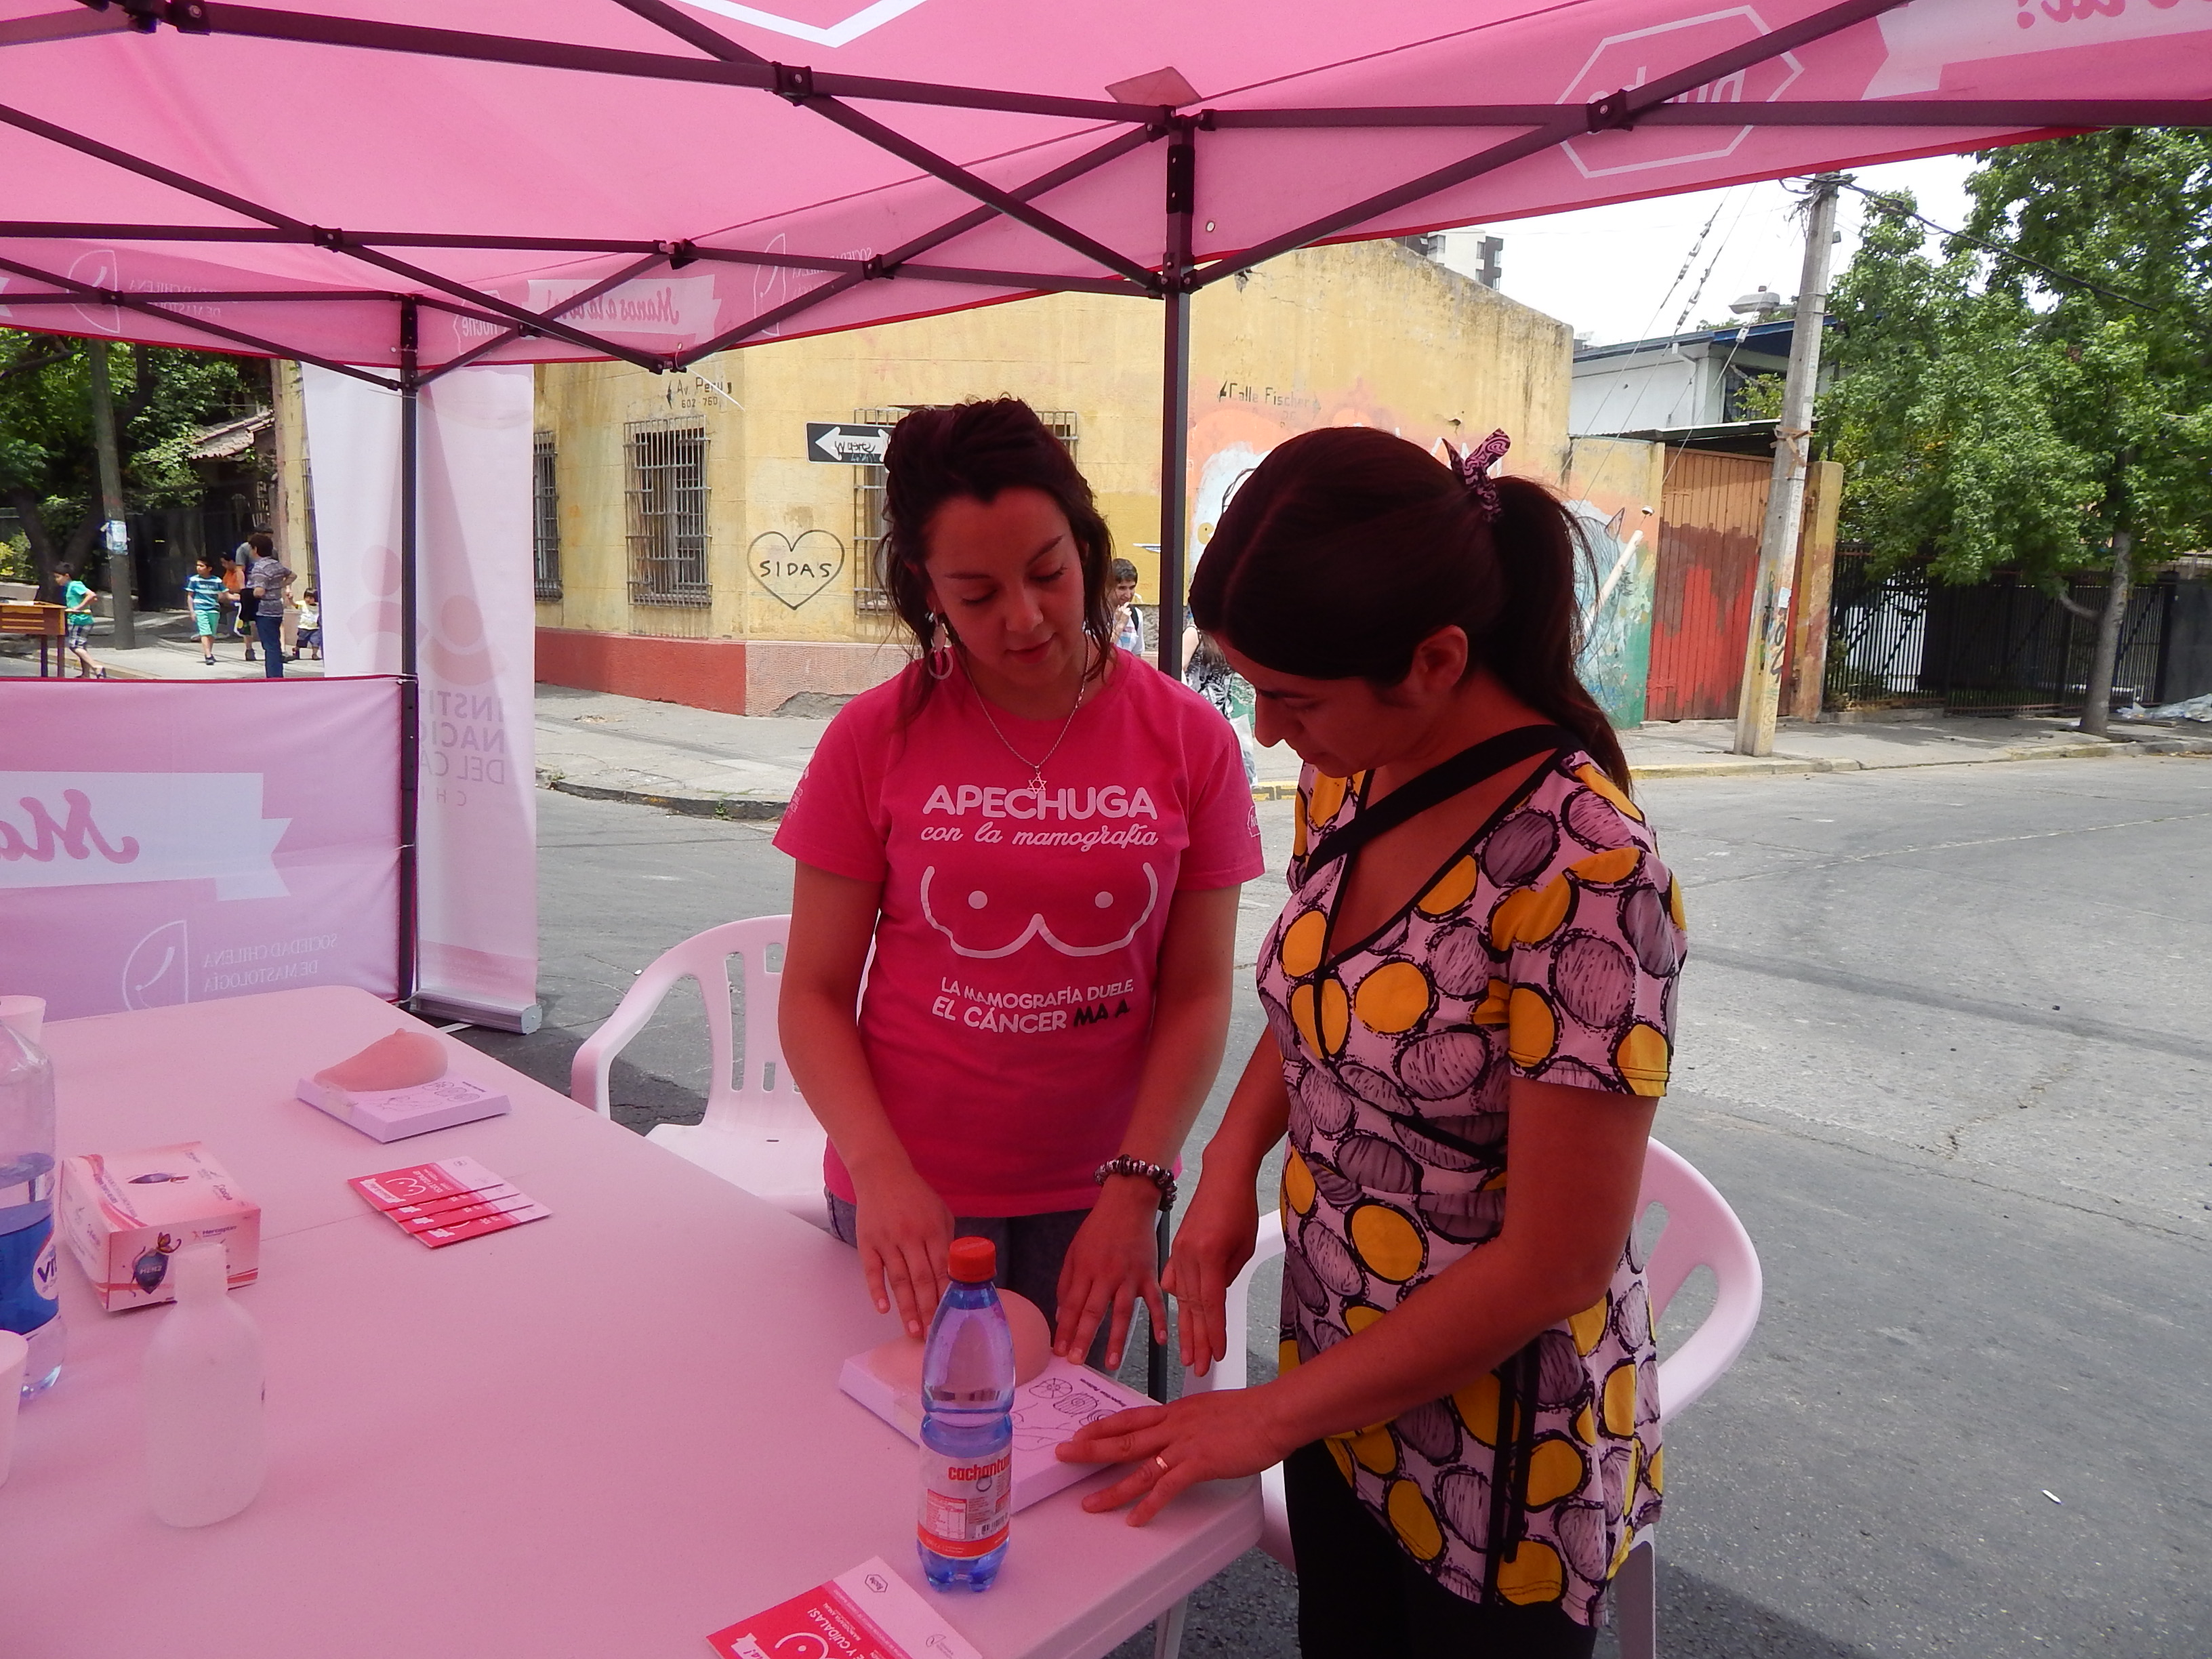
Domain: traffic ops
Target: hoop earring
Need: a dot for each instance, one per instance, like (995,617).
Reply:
(939,658)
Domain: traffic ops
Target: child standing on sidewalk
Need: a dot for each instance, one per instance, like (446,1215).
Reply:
(204,592)
(310,634)
(76,620)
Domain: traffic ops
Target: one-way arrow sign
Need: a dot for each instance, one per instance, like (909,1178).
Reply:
(853,445)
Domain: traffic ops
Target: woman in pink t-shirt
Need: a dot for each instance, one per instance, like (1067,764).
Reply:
(1042,838)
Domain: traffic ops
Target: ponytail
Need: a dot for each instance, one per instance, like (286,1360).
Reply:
(1348,546)
(1537,635)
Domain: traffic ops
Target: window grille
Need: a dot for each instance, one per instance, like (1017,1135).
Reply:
(871,538)
(667,499)
(545,518)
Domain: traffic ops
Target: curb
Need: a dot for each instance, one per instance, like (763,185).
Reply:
(754,808)
(762,808)
(1740,766)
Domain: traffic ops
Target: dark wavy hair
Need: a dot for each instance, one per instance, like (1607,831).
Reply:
(977,449)
(1347,547)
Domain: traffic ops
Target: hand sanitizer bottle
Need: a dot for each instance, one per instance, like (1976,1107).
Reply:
(205,1454)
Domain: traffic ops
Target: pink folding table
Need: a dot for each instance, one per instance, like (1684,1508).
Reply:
(608,1432)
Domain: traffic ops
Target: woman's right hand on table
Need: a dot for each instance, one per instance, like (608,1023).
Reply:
(1211,1248)
(904,1232)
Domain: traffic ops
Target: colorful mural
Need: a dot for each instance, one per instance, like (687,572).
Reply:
(1612,488)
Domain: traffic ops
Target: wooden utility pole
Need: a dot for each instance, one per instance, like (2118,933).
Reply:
(117,534)
(1768,640)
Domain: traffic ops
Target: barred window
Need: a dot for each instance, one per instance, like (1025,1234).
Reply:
(545,517)
(668,498)
(871,532)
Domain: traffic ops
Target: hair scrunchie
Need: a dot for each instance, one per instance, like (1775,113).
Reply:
(1474,466)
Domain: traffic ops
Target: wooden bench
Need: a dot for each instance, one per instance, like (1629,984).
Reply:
(43,623)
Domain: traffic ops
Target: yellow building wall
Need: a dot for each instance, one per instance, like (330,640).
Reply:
(1368,333)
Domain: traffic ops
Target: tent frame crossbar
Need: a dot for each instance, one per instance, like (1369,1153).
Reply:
(824,94)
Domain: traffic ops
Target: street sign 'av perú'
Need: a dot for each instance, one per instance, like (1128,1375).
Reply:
(845,442)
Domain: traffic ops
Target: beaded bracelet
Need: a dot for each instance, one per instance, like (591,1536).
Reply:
(1159,1176)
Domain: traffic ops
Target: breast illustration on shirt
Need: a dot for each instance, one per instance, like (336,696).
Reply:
(1102,911)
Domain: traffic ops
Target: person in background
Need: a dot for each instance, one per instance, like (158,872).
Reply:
(234,580)
(268,579)
(204,592)
(76,621)
(249,604)
(1128,622)
(1207,673)
(310,636)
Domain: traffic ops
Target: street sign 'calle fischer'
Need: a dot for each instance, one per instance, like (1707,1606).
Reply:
(854,445)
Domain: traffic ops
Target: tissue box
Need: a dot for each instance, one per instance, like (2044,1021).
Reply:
(395,1113)
(126,1214)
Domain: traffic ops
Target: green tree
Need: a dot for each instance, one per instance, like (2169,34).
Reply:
(48,465)
(2036,394)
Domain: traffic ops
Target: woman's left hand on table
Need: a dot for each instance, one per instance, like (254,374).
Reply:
(1201,1436)
(1112,1265)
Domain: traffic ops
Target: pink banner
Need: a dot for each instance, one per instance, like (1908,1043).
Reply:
(478,825)
(164,843)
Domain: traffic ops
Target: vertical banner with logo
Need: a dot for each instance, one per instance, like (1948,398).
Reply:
(163,843)
(477,825)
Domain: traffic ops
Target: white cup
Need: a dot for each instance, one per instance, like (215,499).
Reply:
(25,1015)
(14,1351)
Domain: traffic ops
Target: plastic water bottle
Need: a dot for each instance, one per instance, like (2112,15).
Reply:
(967,1426)
(30,1285)
(205,1448)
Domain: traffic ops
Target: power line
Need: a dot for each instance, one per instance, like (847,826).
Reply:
(1892,206)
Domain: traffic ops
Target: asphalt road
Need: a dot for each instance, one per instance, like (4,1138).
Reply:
(1944,1046)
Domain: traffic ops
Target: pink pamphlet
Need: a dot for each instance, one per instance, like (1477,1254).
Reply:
(867,1612)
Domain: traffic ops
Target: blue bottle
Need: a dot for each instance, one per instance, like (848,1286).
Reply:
(29,1291)
(967,1426)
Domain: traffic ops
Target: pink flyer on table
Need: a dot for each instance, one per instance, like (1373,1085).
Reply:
(866,1612)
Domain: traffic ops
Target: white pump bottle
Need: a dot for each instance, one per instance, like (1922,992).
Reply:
(205,1448)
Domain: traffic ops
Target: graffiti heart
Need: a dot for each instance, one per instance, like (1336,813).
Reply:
(795,571)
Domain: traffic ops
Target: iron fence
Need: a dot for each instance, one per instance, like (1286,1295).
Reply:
(2002,645)
(545,516)
(667,502)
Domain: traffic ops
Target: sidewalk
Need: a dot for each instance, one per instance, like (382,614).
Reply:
(166,649)
(605,747)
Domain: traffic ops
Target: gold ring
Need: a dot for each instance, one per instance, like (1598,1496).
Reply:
(1159,1463)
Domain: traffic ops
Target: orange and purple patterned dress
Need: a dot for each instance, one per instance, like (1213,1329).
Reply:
(1548,947)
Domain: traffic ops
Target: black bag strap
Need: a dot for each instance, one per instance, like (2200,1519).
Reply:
(1440,782)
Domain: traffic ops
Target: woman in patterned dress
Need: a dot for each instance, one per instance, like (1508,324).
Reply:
(1467,1405)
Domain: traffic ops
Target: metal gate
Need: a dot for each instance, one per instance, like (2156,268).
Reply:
(1710,517)
(1906,640)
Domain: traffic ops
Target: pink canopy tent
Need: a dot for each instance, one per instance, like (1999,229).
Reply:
(364,187)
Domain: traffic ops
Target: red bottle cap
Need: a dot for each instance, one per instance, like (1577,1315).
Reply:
(974,1260)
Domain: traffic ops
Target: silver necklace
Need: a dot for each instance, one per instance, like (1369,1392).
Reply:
(1036,767)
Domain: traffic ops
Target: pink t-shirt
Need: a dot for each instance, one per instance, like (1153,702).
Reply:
(1008,1007)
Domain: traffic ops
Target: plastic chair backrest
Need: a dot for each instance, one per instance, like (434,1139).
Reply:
(1701,1230)
(765,1080)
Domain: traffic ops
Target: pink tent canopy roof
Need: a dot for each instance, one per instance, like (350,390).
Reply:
(658,180)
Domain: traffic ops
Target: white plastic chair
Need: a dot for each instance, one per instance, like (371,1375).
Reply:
(757,1132)
(1700,1231)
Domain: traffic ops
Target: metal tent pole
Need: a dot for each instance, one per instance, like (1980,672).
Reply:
(1175,389)
(410,716)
